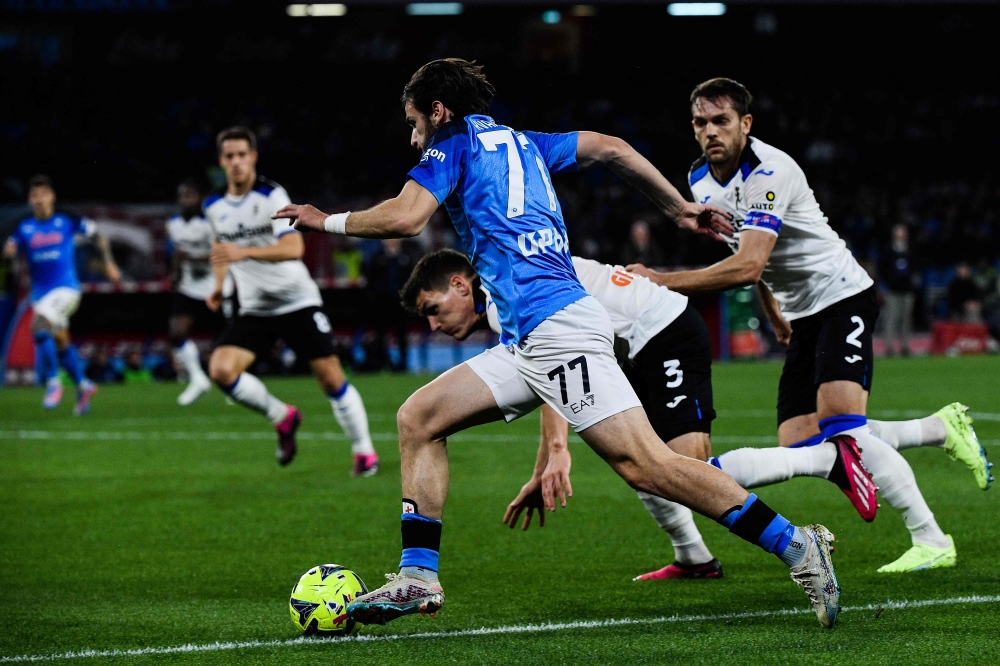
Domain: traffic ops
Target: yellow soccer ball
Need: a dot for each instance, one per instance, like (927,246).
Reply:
(319,601)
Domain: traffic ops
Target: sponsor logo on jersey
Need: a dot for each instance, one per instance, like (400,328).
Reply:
(707,197)
(246,232)
(762,206)
(765,173)
(621,278)
(770,196)
(433,153)
(546,238)
(45,239)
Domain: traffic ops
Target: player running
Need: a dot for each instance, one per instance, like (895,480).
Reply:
(277,298)
(496,186)
(47,239)
(190,239)
(823,306)
(669,365)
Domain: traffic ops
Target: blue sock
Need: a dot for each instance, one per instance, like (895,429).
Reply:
(809,441)
(421,542)
(70,359)
(835,425)
(48,357)
(758,523)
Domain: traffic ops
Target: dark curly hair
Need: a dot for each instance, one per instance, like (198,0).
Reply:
(458,84)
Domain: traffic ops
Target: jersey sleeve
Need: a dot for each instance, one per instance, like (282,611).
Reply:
(768,192)
(440,166)
(278,199)
(557,150)
(83,226)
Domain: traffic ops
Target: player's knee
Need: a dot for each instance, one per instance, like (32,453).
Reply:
(414,420)
(222,371)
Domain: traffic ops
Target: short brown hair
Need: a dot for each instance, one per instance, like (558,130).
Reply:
(432,273)
(719,88)
(40,180)
(458,84)
(236,133)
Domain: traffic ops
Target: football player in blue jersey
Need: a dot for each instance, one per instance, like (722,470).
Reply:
(495,183)
(47,240)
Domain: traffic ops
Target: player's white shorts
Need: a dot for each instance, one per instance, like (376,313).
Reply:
(568,361)
(57,306)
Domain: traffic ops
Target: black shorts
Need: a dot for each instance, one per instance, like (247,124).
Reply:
(834,344)
(306,331)
(672,375)
(196,309)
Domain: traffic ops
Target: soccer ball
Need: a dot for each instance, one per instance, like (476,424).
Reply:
(319,601)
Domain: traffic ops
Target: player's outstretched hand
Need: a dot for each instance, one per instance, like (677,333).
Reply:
(529,498)
(113,273)
(640,269)
(214,302)
(555,479)
(302,217)
(705,220)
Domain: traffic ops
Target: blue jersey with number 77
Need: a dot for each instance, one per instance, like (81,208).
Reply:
(495,184)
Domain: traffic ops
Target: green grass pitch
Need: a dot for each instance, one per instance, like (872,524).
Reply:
(145,525)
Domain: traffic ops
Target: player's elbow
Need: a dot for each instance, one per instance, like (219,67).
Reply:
(407,226)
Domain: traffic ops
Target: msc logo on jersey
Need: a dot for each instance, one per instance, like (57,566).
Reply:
(547,238)
(434,153)
(45,239)
(621,278)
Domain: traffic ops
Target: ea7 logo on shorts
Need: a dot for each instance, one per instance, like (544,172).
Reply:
(433,153)
(546,238)
(586,401)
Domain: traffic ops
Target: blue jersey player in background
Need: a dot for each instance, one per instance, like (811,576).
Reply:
(47,241)
(557,339)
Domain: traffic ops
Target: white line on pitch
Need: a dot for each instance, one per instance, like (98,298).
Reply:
(487,631)
(231,435)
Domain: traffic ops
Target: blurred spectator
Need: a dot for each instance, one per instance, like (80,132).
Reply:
(964,298)
(100,369)
(386,272)
(641,248)
(135,370)
(896,271)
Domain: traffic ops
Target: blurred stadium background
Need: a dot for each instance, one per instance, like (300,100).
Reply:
(889,107)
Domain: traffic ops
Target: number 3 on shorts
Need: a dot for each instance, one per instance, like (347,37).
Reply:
(322,323)
(673,369)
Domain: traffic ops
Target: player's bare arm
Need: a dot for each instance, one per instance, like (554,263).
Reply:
(10,249)
(551,474)
(742,269)
(623,160)
(219,269)
(403,216)
(289,246)
(110,267)
(782,329)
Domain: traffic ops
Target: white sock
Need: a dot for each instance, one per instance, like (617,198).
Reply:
(898,487)
(901,435)
(349,410)
(251,392)
(189,358)
(677,522)
(752,467)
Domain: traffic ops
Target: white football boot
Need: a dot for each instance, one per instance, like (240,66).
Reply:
(195,389)
(404,594)
(816,576)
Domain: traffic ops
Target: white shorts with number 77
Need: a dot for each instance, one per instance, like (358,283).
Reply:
(568,361)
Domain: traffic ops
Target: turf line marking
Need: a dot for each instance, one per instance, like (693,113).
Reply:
(233,435)
(489,631)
